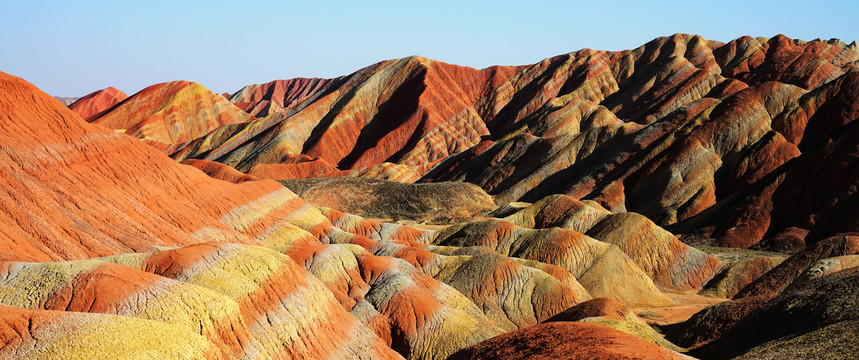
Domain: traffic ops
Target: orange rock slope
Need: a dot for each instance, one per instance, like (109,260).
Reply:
(97,102)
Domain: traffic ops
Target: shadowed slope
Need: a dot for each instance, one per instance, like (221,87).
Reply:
(814,319)
(566,340)
(388,199)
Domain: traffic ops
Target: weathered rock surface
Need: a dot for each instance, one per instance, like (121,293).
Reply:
(778,279)
(603,269)
(40,334)
(169,114)
(388,199)
(816,319)
(749,143)
(566,340)
(92,105)
(738,274)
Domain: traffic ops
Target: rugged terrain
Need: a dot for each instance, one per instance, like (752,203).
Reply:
(416,209)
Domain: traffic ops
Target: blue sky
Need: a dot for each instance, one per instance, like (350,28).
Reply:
(70,48)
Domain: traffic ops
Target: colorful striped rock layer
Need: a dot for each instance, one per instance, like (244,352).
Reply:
(102,231)
(557,182)
(706,137)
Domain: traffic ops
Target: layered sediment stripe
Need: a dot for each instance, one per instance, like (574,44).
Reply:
(172,112)
(279,94)
(387,171)
(375,229)
(337,268)
(512,295)
(560,211)
(277,298)
(96,286)
(277,218)
(428,318)
(41,334)
(391,296)
(669,262)
(220,171)
(598,266)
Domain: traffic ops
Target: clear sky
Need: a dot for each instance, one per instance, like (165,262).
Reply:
(71,48)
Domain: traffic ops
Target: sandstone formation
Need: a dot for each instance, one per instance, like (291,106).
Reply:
(94,104)
(262,100)
(598,266)
(778,279)
(670,263)
(599,307)
(35,334)
(421,210)
(172,113)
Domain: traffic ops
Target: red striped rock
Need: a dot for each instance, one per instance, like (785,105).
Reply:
(670,263)
(170,113)
(267,99)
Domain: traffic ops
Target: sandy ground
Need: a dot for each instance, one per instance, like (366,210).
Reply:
(687,305)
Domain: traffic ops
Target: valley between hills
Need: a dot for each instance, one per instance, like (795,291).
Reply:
(685,199)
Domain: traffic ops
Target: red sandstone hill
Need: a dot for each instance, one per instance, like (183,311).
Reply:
(93,104)
(171,113)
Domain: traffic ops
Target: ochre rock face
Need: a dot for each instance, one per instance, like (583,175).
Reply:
(171,113)
(41,334)
(566,340)
(92,105)
(665,259)
(220,171)
(597,265)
